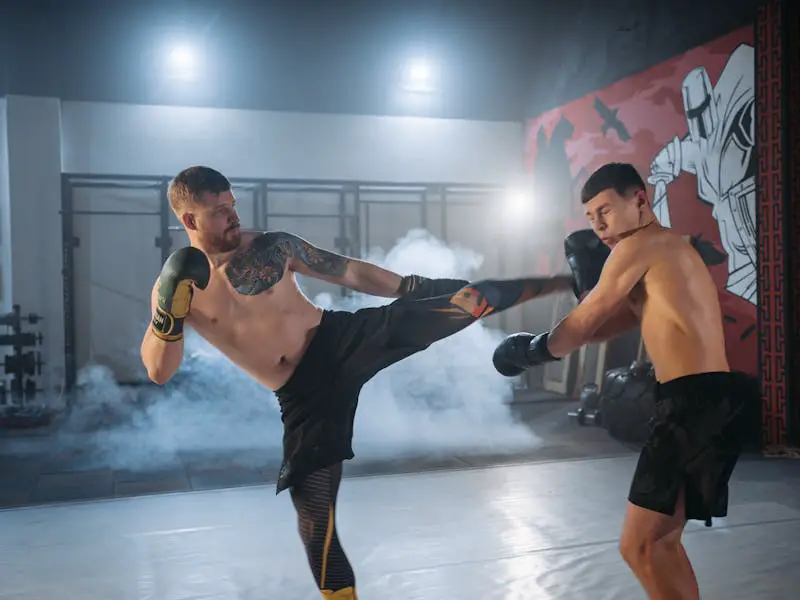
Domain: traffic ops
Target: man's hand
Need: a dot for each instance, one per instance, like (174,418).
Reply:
(586,254)
(185,267)
(519,351)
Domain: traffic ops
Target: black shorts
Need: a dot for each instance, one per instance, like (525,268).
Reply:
(318,403)
(696,438)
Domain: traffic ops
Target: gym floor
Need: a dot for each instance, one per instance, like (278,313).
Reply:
(542,524)
(535,531)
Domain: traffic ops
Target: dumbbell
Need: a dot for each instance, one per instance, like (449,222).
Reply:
(12,319)
(584,417)
(29,363)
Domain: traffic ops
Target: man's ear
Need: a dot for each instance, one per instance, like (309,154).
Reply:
(189,221)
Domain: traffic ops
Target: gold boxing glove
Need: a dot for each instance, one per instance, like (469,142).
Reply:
(184,268)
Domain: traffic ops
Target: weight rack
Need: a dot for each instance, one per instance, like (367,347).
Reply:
(22,365)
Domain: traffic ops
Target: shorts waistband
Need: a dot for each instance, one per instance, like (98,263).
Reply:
(696,383)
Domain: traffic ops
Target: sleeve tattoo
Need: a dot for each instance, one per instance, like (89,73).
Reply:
(322,262)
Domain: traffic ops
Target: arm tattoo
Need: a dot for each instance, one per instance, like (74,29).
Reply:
(262,264)
(318,260)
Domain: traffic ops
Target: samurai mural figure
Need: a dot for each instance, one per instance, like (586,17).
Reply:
(719,149)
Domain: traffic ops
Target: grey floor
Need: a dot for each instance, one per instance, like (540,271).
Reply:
(540,531)
(541,523)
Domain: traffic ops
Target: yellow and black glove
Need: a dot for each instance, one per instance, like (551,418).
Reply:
(183,268)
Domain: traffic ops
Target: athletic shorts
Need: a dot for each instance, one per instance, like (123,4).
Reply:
(696,438)
(318,403)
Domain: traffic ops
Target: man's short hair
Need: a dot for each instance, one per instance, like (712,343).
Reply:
(623,178)
(188,187)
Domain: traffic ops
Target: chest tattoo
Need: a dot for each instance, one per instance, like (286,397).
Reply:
(262,264)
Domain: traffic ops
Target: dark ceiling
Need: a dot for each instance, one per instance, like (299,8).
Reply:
(498,60)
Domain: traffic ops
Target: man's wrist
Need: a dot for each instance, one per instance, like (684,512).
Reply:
(166,327)
(538,351)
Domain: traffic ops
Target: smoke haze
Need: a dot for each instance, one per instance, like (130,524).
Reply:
(446,399)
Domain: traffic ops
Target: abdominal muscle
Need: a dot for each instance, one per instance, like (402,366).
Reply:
(265,335)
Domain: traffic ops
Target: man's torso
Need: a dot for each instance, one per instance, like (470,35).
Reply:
(677,304)
(254,312)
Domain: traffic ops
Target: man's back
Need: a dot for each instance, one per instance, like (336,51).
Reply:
(678,305)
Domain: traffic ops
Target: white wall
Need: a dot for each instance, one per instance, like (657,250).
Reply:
(5,216)
(42,137)
(160,140)
(34,184)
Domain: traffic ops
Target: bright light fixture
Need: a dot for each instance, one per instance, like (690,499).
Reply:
(419,76)
(518,206)
(182,62)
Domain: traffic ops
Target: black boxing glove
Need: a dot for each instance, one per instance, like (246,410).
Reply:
(414,287)
(586,255)
(183,268)
(519,351)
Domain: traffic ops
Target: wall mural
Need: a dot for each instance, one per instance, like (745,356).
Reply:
(687,124)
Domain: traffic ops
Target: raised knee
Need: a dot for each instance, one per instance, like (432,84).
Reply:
(484,297)
(472,301)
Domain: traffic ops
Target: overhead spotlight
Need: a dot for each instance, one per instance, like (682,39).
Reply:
(419,76)
(182,62)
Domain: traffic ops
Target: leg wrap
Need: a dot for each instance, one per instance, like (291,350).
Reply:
(315,502)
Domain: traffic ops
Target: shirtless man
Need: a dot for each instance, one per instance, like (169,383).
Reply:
(238,291)
(654,278)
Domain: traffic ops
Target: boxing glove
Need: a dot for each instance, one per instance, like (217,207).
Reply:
(586,254)
(183,268)
(519,351)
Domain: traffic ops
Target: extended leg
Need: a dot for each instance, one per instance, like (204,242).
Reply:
(315,502)
(424,321)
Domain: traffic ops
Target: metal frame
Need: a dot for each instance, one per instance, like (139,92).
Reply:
(360,192)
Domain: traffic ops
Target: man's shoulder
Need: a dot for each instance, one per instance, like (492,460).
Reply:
(629,247)
(640,252)
(268,238)
(650,243)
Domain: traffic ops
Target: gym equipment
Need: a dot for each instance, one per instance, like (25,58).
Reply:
(628,402)
(19,390)
(588,412)
(15,318)
(27,363)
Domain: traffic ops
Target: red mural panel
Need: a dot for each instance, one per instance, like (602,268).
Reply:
(688,126)
(792,20)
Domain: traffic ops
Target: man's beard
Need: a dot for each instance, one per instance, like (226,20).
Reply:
(219,244)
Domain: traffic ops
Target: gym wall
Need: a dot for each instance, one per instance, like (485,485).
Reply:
(33,151)
(104,138)
(5,217)
(643,120)
(778,115)
(116,255)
